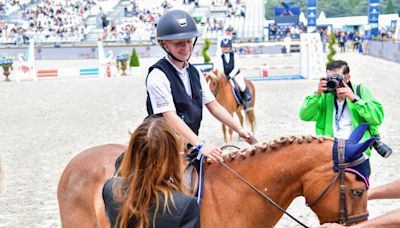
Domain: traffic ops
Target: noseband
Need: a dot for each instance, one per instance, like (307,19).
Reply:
(344,218)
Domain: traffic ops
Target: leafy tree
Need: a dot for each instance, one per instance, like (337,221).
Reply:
(134,62)
(205,49)
(390,7)
(332,50)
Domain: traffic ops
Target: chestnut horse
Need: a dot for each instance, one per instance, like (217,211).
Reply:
(222,90)
(282,169)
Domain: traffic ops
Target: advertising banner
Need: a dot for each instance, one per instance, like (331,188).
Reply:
(373,16)
(312,15)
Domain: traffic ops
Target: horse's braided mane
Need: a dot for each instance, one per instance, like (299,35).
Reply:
(272,145)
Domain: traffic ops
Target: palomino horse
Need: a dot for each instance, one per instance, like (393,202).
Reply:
(222,90)
(282,169)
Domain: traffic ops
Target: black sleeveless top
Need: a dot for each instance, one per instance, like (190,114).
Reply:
(190,109)
(228,67)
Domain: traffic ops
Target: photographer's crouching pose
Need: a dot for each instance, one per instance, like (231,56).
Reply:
(338,107)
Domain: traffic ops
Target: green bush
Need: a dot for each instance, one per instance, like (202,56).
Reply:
(134,59)
(205,49)
(332,50)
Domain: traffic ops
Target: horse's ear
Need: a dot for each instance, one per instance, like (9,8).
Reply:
(354,151)
(358,133)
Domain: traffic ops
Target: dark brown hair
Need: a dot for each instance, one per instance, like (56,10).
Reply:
(338,64)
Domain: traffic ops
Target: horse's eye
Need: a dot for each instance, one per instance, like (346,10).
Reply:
(357,192)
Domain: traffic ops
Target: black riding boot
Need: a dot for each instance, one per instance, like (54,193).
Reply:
(246,99)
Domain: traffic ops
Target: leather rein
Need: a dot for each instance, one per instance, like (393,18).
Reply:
(344,218)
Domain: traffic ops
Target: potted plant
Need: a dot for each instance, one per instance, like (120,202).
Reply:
(6,62)
(134,62)
(332,51)
(122,61)
(205,49)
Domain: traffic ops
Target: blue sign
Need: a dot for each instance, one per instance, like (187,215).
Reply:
(293,11)
(204,67)
(312,15)
(373,16)
(5,62)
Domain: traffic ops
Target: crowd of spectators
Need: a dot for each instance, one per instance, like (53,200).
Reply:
(49,21)
(57,21)
(353,40)
(140,21)
(232,10)
(278,32)
(8,7)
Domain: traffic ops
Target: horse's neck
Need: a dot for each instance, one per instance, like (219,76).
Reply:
(282,170)
(223,82)
(225,90)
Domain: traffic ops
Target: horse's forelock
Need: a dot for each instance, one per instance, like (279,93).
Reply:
(219,74)
(211,75)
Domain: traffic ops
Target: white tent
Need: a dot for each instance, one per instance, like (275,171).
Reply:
(302,18)
(321,20)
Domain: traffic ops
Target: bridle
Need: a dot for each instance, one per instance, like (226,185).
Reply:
(344,218)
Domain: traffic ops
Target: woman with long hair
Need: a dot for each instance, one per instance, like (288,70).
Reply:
(149,191)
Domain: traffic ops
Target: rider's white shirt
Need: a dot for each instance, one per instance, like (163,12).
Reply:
(345,126)
(239,79)
(159,89)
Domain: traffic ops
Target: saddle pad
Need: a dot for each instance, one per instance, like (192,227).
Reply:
(236,93)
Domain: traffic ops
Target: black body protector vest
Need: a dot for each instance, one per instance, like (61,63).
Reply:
(228,67)
(190,109)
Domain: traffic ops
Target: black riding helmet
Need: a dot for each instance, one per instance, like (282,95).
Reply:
(176,25)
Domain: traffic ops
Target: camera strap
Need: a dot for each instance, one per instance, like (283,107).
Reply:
(337,116)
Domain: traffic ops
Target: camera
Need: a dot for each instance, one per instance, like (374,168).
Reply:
(333,82)
(382,149)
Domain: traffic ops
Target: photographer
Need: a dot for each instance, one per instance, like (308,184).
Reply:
(338,107)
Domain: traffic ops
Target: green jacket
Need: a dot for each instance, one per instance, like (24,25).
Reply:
(320,108)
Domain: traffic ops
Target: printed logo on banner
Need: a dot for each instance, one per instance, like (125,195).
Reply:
(312,12)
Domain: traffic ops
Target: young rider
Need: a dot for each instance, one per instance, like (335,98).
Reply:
(177,90)
(230,65)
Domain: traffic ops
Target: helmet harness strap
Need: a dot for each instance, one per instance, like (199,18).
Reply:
(172,56)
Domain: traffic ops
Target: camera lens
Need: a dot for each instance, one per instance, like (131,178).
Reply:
(331,85)
(382,149)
